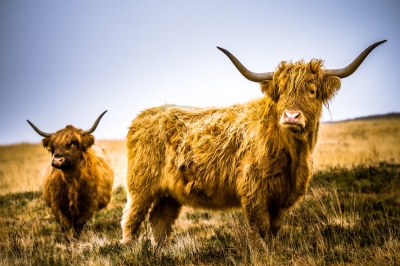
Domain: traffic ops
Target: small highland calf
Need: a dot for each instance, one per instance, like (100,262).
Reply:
(255,155)
(80,181)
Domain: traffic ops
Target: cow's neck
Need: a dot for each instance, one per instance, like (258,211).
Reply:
(278,146)
(298,151)
(72,176)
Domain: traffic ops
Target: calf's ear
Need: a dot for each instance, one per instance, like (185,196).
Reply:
(87,141)
(46,143)
(330,87)
(269,88)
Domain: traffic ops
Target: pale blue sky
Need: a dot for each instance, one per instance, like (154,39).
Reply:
(65,62)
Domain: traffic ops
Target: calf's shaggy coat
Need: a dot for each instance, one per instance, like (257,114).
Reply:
(256,155)
(80,181)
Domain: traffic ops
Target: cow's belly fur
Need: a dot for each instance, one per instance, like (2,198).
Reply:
(198,193)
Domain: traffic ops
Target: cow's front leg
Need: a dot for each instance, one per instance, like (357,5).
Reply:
(275,223)
(257,218)
(78,226)
(65,224)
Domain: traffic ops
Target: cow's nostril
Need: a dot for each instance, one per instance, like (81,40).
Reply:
(58,157)
(58,161)
(292,115)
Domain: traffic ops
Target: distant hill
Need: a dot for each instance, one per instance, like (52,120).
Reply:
(371,117)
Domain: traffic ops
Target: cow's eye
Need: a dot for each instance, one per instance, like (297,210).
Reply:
(72,143)
(313,92)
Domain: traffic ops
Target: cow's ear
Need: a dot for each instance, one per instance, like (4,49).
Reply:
(330,86)
(46,143)
(87,141)
(268,88)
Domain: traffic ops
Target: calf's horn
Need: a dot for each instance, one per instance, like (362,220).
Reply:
(256,77)
(41,133)
(93,128)
(350,69)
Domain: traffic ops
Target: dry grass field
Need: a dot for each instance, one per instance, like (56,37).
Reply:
(350,216)
(342,144)
(358,142)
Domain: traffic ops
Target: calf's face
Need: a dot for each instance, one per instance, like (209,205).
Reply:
(67,146)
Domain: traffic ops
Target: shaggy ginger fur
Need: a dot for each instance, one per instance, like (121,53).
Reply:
(81,184)
(244,155)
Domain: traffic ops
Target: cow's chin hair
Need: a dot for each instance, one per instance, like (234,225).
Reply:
(63,167)
(294,128)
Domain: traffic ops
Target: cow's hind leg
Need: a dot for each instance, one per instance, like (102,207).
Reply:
(134,213)
(162,216)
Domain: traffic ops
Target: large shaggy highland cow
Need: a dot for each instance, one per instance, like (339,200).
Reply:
(256,155)
(80,181)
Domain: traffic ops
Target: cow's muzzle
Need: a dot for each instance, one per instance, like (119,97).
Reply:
(58,161)
(293,120)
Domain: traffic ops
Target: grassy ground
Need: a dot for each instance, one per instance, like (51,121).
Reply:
(350,216)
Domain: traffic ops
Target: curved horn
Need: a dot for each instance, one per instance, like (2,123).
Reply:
(93,128)
(41,133)
(256,77)
(350,69)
